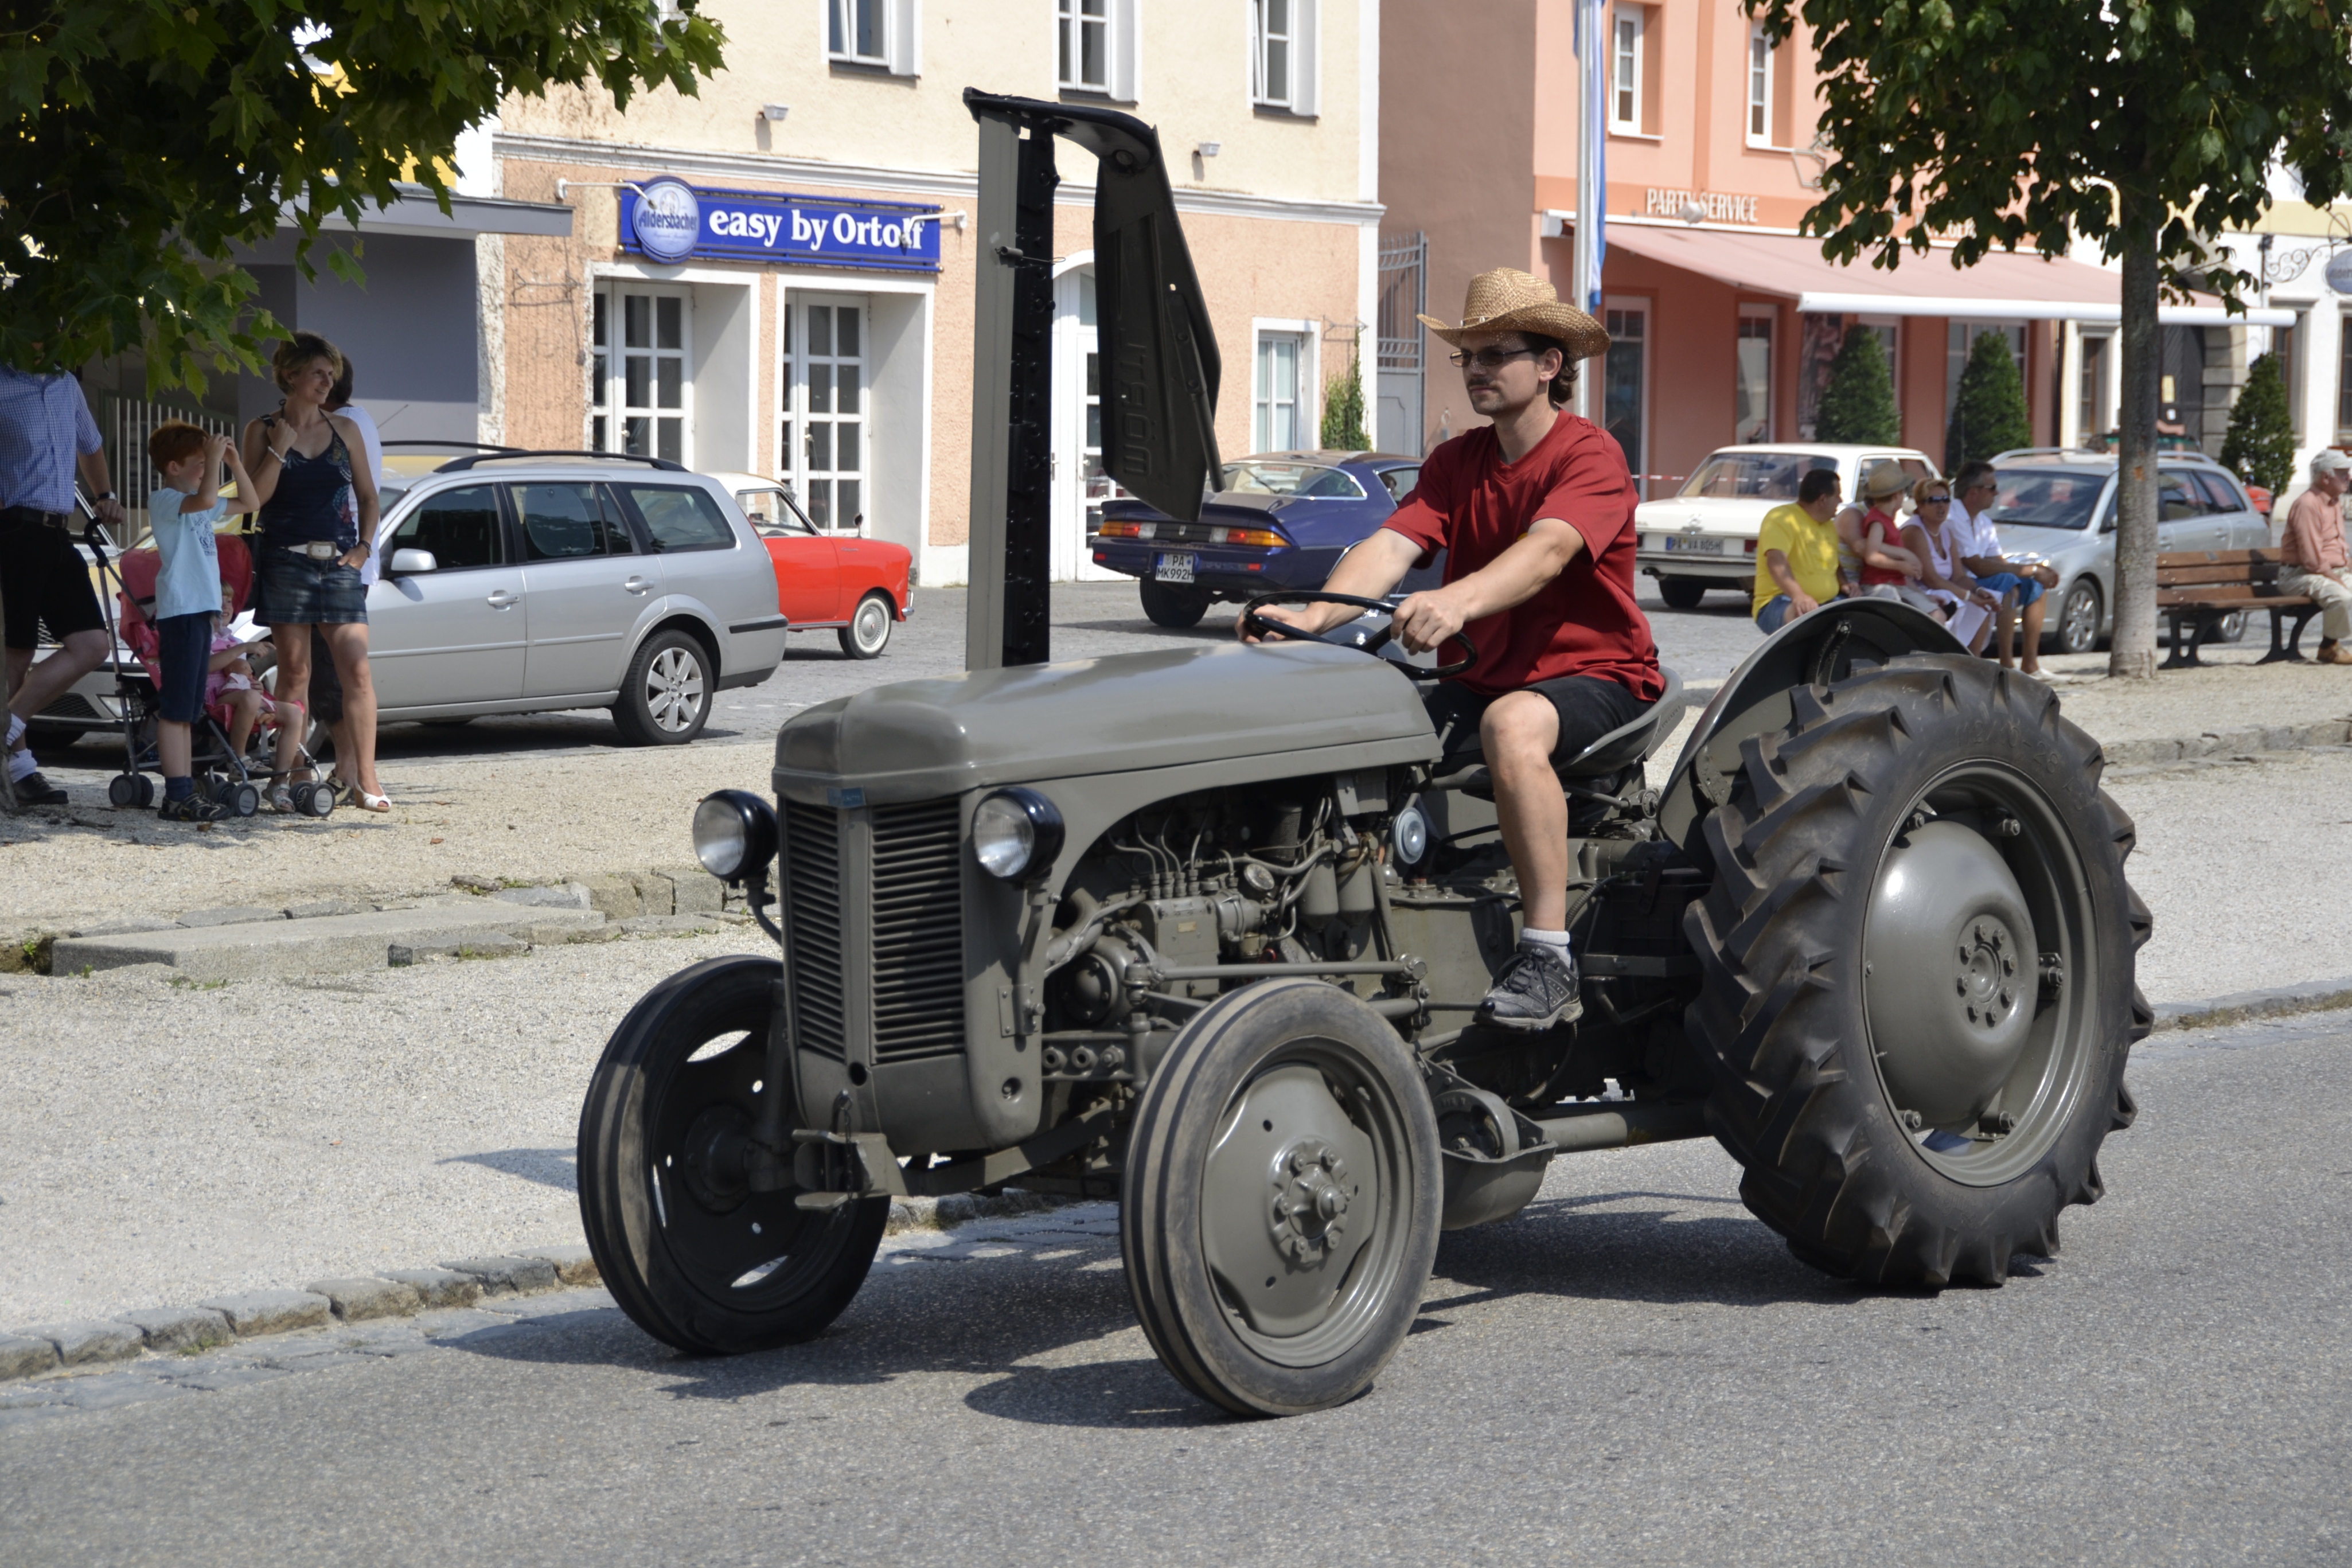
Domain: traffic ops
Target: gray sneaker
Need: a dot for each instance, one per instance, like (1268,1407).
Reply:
(1536,990)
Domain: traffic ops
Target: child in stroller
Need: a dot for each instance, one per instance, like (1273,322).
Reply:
(228,757)
(194,713)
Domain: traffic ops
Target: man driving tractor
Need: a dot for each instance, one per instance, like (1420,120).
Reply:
(1535,514)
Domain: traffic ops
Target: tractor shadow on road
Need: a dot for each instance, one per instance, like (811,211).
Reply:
(1572,1246)
(1048,1340)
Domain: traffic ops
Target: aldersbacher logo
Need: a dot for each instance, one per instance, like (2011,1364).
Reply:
(667,219)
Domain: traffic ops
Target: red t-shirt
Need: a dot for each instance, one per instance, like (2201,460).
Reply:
(1583,622)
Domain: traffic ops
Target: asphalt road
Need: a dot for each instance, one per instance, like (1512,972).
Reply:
(1090,619)
(1634,1370)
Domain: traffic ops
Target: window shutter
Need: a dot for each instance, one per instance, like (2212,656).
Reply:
(1306,56)
(904,37)
(1125,49)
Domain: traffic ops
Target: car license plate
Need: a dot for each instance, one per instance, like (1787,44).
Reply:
(1684,544)
(1174,566)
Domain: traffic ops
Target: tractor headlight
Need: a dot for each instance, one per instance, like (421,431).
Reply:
(1412,832)
(734,834)
(1014,830)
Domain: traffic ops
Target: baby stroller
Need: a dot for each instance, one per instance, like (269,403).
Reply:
(233,779)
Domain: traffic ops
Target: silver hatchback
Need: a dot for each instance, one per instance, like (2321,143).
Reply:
(518,583)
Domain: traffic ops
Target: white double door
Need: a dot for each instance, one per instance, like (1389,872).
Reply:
(1080,486)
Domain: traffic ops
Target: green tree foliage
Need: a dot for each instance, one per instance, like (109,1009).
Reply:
(1989,410)
(2259,448)
(148,138)
(1858,405)
(1343,410)
(2140,125)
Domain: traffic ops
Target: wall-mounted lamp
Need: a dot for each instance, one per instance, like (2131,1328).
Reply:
(774,113)
(1692,213)
(1210,149)
(564,185)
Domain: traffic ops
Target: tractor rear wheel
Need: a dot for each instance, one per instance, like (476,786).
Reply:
(1278,1211)
(1916,958)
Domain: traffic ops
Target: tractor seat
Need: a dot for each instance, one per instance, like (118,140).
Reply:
(1464,769)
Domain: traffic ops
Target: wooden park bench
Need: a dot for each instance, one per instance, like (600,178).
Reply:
(2197,589)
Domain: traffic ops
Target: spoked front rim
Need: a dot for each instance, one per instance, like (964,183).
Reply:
(745,1250)
(1305,1204)
(1981,974)
(674,690)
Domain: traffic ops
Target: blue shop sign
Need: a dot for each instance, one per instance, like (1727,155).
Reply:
(668,220)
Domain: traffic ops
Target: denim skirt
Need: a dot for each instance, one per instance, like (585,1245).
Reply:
(295,590)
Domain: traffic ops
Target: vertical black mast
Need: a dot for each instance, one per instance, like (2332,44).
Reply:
(1159,353)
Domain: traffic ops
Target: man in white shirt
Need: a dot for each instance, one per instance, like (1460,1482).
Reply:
(2019,585)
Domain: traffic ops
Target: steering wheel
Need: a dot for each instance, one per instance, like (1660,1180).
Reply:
(1259,626)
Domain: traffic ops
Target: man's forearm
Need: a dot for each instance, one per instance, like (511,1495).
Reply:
(1518,574)
(1370,572)
(1776,561)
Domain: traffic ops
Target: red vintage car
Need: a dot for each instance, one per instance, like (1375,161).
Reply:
(825,578)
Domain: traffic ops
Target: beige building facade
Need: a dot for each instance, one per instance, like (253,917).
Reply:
(776,275)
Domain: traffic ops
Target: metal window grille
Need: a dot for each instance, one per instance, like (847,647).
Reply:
(1404,296)
(126,423)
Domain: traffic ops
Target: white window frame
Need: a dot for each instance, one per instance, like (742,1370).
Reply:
(900,24)
(792,372)
(615,408)
(1758,123)
(1119,24)
(1628,30)
(1769,315)
(1308,397)
(1299,92)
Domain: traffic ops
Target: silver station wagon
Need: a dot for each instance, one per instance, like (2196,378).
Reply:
(518,583)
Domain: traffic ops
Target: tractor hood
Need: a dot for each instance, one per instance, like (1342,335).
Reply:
(920,740)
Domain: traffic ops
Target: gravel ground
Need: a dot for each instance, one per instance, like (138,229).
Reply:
(2245,872)
(169,1143)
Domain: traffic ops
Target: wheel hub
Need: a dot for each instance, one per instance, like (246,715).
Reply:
(1945,980)
(716,1157)
(1287,1186)
(1310,1206)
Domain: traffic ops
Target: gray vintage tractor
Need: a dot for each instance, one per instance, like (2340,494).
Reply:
(1203,931)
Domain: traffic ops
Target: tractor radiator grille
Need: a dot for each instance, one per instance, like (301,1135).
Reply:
(918,907)
(813,906)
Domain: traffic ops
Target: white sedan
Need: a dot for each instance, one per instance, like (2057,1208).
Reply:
(1705,536)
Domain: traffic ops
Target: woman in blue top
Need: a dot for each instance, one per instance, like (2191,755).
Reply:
(318,525)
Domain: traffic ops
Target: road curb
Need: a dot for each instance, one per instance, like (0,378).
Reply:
(2215,748)
(238,1318)
(2246,1006)
(472,917)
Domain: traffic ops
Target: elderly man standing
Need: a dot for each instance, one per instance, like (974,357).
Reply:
(2315,560)
(46,434)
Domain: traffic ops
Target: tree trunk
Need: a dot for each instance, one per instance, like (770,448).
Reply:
(2133,650)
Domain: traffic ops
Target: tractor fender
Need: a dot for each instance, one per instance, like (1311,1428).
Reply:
(1817,650)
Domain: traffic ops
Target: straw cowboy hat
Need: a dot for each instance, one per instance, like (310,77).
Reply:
(1509,300)
(1884,480)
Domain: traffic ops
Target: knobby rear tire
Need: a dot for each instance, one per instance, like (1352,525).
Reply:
(1782,1019)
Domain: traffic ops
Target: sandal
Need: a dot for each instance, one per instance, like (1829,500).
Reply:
(377,803)
(280,799)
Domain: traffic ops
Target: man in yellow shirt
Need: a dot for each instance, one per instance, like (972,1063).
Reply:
(1798,546)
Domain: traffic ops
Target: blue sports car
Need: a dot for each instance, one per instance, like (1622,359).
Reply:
(1281,519)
